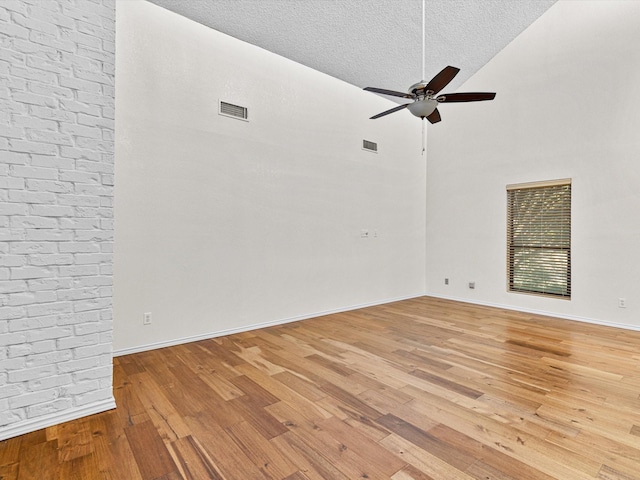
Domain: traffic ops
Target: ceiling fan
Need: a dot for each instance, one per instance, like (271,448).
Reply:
(425,99)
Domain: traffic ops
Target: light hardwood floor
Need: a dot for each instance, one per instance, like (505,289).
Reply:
(419,389)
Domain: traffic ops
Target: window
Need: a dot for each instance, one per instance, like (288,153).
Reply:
(539,238)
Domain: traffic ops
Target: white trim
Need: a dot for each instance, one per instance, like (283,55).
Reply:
(594,321)
(31,425)
(255,326)
(246,328)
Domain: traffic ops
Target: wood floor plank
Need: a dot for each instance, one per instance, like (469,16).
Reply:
(421,389)
(427,442)
(258,417)
(286,394)
(260,451)
(509,439)
(194,462)
(371,453)
(80,468)
(162,412)
(605,451)
(152,457)
(422,460)
(221,385)
(303,387)
(411,473)
(297,476)
(10,451)
(224,453)
(9,472)
(114,458)
(448,384)
(39,462)
(74,440)
(254,392)
(351,400)
(608,473)
(313,463)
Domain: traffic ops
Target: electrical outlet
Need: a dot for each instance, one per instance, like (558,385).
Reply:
(472,285)
(146,318)
(622,303)
(446,281)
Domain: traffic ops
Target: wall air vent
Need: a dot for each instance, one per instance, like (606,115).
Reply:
(234,111)
(369,146)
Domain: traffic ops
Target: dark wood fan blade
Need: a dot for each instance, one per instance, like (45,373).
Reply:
(393,93)
(434,117)
(466,97)
(387,112)
(442,79)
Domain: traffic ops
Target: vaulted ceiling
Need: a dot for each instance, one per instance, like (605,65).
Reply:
(371,42)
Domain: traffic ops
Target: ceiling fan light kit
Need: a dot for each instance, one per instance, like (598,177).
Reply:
(423,108)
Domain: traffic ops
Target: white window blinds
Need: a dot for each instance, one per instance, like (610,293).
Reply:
(539,238)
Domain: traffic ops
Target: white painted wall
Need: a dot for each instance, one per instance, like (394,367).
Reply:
(224,224)
(567,107)
(56,211)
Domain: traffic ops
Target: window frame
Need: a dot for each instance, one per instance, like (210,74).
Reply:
(512,245)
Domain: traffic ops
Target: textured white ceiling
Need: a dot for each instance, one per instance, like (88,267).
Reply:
(371,42)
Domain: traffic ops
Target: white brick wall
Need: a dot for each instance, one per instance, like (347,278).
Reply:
(56,197)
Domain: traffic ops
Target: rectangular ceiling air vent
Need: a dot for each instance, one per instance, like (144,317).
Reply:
(369,146)
(234,111)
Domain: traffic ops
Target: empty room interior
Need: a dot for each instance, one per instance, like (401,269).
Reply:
(319,239)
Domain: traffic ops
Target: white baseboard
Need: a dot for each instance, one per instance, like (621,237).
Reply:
(31,425)
(576,318)
(247,328)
